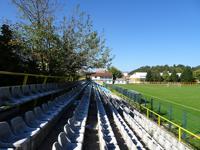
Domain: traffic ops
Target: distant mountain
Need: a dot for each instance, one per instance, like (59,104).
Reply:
(178,68)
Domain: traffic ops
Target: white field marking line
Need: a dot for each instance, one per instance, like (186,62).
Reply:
(172,102)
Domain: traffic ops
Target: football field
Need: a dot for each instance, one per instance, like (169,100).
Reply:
(184,101)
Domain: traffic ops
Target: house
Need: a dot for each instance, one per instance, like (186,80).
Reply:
(138,77)
(101,76)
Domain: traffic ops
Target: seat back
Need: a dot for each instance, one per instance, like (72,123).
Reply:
(50,86)
(18,125)
(50,104)
(5,93)
(39,88)
(44,107)
(63,140)
(29,117)
(56,146)
(44,87)
(5,131)
(33,88)
(16,91)
(69,131)
(26,90)
(38,111)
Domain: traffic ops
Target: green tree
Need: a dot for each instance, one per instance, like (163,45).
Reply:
(63,48)
(187,75)
(156,77)
(149,76)
(179,68)
(38,32)
(12,57)
(197,74)
(83,46)
(166,76)
(115,72)
(174,77)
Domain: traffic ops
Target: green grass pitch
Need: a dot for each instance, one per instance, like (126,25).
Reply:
(185,98)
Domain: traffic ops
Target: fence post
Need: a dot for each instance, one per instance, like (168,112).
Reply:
(151,101)
(25,79)
(158,120)
(179,134)
(184,123)
(147,113)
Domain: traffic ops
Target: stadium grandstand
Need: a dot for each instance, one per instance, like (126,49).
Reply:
(62,79)
(81,115)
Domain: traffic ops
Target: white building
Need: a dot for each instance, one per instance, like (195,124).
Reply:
(125,74)
(102,77)
(138,77)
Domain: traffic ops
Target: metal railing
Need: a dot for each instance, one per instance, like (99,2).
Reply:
(26,76)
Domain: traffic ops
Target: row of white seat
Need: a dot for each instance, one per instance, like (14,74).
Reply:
(151,134)
(15,95)
(129,137)
(73,136)
(163,137)
(146,138)
(106,136)
(26,132)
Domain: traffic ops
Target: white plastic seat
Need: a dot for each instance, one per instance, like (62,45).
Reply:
(26,90)
(77,122)
(5,96)
(74,137)
(167,145)
(34,90)
(66,144)
(50,112)
(32,121)
(9,140)
(78,130)
(56,146)
(21,129)
(16,95)
(106,136)
(41,116)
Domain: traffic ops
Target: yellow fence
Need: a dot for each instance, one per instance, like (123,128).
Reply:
(26,76)
(159,118)
(180,129)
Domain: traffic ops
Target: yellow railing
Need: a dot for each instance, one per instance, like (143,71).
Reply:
(159,117)
(26,76)
(180,129)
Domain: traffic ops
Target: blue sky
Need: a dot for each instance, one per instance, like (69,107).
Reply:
(140,32)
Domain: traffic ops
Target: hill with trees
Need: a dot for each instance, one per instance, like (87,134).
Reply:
(170,73)
(178,68)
